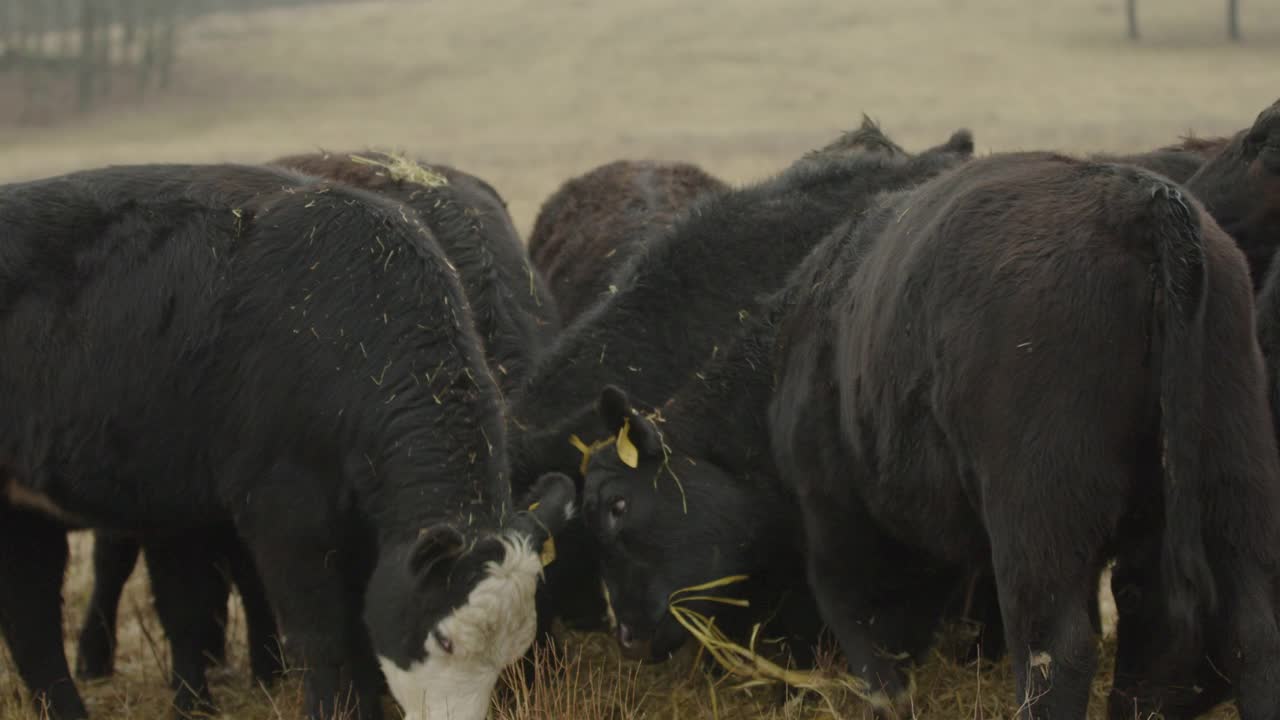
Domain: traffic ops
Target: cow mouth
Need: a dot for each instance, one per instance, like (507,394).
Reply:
(655,646)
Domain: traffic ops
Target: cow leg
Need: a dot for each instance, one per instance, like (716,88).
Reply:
(799,622)
(978,606)
(1250,648)
(366,675)
(187,587)
(571,588)
(1048,635)
(114,557)
(1150,676)
(214,644)
(292,533)
(33,558)
(265,659)
(843,566)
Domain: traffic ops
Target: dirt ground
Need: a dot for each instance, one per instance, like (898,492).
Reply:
(527,94)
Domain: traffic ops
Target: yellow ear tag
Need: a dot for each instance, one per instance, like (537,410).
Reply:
(576,441)
(548,552)
(626,449)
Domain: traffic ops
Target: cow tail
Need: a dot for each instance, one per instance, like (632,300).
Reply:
(1180,320)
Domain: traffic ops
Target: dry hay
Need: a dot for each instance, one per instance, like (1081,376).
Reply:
(587,680)
(401,168)
(597,685)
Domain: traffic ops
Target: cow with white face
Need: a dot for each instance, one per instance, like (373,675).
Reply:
(288,356)
(450,613)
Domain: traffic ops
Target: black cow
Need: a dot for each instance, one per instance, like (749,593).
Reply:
(299,361)
(677,303)
(516,315)
(513,312)
(704,500)
(595,221)
(1239,187)
(693,287)
(1246,183)
(1241,184)
(1027,366)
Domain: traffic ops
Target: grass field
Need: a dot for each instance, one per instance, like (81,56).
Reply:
(529,93)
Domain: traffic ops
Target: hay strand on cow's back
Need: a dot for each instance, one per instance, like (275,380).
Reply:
(402,169)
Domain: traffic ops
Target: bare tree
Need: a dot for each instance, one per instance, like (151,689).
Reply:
(88,51)
(82,48)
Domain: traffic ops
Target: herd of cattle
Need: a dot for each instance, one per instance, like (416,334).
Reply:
(891,388)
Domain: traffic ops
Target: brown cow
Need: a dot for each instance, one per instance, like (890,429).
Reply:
(1178,162)
(595,221)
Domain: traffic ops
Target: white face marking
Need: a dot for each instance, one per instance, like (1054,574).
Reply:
(491,631)
(24,497)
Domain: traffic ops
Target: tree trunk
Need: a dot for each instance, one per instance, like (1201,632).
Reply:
(168,39)
(88,53)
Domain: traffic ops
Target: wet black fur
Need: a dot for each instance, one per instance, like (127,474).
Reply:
(682,296)
(512,311)
(689,291)
(194,345)
(984,382)
(717,506)
(1240,187)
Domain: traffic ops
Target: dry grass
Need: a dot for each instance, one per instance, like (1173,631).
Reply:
(527,96)
(586,680)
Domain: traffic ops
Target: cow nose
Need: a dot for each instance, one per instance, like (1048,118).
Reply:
(626,638)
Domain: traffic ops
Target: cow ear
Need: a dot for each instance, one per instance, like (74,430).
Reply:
(616,412)
(961,141)
(548,506)
(1265,135)
(439,542)
(644,434)
(1269,156)
(614,408)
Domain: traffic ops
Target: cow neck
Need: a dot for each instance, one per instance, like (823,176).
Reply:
(721,413)
(466,484)
(646,337)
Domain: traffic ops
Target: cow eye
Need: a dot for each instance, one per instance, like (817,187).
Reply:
(618,508)
(445,643)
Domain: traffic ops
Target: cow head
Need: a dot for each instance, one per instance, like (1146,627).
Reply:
(448,611)
(667,522)
(1240,187)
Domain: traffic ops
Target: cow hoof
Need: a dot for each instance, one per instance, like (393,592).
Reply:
(189,705)
(266,666)
(95,659)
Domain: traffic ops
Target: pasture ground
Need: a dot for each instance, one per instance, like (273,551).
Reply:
(527,94)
